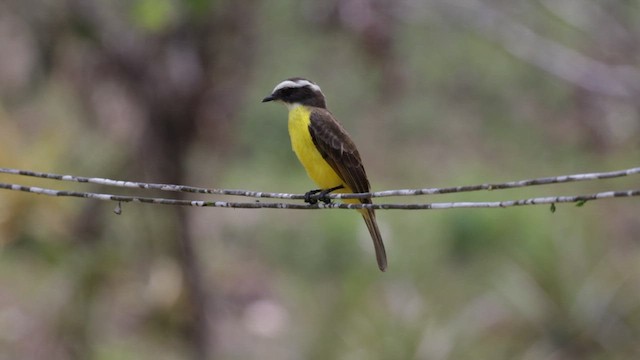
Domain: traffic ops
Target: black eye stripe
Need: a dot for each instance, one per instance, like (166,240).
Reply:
(296,93)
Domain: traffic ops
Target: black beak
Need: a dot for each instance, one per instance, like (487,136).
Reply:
(268,98)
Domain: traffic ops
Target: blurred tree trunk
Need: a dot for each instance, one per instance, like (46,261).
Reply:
(181,78)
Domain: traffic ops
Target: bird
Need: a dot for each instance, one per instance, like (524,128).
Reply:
(326,151)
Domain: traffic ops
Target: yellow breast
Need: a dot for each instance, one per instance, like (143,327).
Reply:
(317,168)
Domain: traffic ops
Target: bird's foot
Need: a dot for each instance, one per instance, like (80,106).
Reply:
(310,197)
(323,196)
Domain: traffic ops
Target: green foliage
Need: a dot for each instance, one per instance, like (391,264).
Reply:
(153,15)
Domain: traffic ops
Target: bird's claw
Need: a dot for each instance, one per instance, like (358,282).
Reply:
(324,196)
(309,197)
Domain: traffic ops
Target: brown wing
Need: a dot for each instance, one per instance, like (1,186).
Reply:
(341,154)
(338,150)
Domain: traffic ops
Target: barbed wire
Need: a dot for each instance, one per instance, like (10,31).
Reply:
(579,199)
(276,195)
(552,200)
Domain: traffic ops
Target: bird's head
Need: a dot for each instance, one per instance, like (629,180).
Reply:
(297,91)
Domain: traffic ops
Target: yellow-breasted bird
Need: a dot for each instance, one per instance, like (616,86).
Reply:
(326,150)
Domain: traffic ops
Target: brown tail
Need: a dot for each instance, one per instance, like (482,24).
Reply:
(381,255)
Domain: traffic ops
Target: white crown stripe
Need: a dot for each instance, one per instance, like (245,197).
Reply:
(296,84)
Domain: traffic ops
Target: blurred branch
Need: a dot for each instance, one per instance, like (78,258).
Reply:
(592,19)
(259,194)
(546,54)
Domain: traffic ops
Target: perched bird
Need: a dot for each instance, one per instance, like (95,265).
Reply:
(326,150)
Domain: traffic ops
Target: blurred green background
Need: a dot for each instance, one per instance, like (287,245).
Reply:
(435,93)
